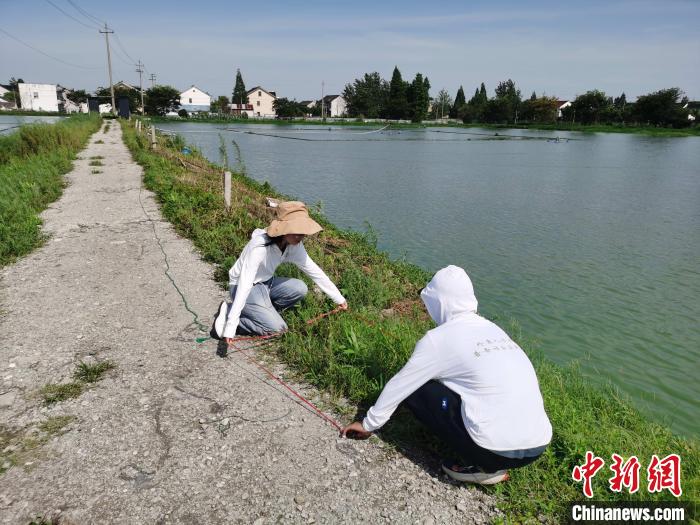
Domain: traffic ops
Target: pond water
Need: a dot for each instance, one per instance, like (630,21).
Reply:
(592,241)
(10,123)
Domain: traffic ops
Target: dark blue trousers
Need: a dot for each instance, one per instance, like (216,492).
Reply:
(440,410)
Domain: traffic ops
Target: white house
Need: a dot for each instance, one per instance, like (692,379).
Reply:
(194,99)
(262,101)
(38,97)
(334,106)
(561,105)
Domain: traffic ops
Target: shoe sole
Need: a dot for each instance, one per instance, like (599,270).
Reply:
(219,323)
(478,479)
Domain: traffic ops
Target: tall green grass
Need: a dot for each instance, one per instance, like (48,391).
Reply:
(354,354)
(32,162)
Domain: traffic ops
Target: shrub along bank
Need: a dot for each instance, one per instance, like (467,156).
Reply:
(353,354)
(32,163)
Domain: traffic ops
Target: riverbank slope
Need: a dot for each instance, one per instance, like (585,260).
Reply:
(354,354)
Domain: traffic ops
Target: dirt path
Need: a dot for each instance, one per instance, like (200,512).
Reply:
(173,434)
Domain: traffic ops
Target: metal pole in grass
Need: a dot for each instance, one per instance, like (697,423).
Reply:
(227,190)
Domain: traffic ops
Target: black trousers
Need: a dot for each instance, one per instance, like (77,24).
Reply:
(440,409)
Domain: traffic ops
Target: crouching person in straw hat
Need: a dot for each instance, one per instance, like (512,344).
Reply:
(470,384)
(257,294)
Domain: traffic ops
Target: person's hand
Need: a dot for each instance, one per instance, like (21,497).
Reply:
(343,306)
(355,431)
(229,340)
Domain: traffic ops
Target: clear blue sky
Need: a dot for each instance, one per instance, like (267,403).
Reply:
(558,48)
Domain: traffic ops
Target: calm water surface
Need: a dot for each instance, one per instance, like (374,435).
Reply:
(10,123)
(592,244)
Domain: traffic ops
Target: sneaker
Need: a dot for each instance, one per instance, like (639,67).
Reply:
(473,474)
(217,328)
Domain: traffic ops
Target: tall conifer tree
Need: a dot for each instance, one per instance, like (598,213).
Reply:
(239,91)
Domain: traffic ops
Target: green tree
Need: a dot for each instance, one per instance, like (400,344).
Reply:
(14,88)
(162,99)
(367,96)
(542,109)
(442,104)
(220,105)
(134,96)
(662,108)
(418,96)
(397,103)
(78,96)
(285,108)
(509,100)
(239,92)
(587,108)
(459,103)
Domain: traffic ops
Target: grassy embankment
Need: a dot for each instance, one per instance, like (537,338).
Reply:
(355,353)
(32,163)
(559,126)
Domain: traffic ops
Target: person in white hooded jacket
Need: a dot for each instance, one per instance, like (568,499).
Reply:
(470,384)
(257,294)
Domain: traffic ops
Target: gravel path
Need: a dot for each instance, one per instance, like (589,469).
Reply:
(174,433)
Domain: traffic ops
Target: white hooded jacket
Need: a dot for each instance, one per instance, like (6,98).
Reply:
(258,262)
(502,406)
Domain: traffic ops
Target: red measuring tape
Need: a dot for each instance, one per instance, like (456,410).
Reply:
(263,339)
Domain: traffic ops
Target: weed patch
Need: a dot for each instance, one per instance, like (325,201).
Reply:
(99,141)
(95,172)
(95,163)
(88,373)
(54,392)
(355,353)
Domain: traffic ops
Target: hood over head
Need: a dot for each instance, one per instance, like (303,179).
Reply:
(448,294)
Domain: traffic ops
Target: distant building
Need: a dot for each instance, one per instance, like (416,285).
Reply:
(262,102)
(38,97)
(194,100)
(67,105)
(334,106)
(561,105)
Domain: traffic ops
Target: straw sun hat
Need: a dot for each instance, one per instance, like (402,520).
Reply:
(292,217)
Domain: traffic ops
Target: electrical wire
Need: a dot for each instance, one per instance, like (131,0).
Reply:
(72,17)
(85,13)
(46,54)
(119,43)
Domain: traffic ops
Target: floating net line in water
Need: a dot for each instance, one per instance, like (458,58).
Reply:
(276,134)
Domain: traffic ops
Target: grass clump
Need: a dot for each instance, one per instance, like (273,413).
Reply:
(32,162)
(54,393)
(84,374)
(95,172)
(89,373)
(95,163)
(99,141)
(355,353)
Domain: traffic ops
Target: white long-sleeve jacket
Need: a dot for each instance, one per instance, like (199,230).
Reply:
(502,406)
(257,263)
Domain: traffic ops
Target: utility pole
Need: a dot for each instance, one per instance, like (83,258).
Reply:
(106,32)
(152,78)
(323,102)
(139,70)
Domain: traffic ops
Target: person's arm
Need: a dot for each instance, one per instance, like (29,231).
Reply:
(310,268)
(425,364)
(249,269)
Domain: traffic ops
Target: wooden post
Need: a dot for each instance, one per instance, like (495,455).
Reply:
(227,189)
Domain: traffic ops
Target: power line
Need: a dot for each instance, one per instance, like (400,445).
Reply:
(71,16)
(119,43)
(85,13)
(46,54)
